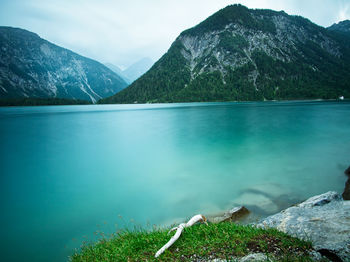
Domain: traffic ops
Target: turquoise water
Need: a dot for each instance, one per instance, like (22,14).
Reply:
(69,171)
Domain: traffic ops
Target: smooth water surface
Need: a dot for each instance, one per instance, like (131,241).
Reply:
(69,171)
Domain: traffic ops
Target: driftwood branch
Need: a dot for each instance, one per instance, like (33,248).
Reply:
(191,222)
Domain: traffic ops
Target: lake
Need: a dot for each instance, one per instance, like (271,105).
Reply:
(71,172)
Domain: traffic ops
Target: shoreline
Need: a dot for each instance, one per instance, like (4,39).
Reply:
(313,230)
(322,221)
(87,103)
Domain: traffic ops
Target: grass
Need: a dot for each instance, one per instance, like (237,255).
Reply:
(224,240)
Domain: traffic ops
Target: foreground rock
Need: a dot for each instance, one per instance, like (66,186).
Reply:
(346,193)
(259,257)
(254,257)
(324,220)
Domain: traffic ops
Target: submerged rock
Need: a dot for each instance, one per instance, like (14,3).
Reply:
(346,193)
(265,199)
(234,214)
(324,220)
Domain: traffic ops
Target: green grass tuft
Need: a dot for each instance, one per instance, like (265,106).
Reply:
(224,240)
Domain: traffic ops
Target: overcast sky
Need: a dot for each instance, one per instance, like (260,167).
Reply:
(123,31)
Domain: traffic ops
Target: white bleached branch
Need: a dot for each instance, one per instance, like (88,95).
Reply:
(191,222)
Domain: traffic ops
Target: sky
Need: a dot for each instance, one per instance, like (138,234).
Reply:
(124,31)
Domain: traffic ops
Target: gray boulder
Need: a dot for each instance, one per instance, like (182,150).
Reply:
(255,257)
(324,220)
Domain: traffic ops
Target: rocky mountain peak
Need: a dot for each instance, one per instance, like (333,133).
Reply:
(343,26)
(244,33)
(247,54)
(33,67)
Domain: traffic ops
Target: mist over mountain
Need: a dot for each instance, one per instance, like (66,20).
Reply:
(33,67)
(134,71)
(114,68)
(241,54)
(138,68)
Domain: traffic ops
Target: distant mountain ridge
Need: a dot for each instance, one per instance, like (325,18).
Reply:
(115,69)
(33,67)
(138,68)
(241,54)
(134,71)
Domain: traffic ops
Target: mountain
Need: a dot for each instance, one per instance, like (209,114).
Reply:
(343,26)
(118,71)
(114,68)
(134,71)
(33,67)
(241,54)
(138,69)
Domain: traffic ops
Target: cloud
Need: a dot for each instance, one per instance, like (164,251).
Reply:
(122,32)
(344,13)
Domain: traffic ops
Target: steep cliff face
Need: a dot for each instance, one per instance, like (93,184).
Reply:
(244,54)
(33,67)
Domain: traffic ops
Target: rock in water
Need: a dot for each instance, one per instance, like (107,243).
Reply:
(346,193)
(347,172)
(324,220)
(233,214)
